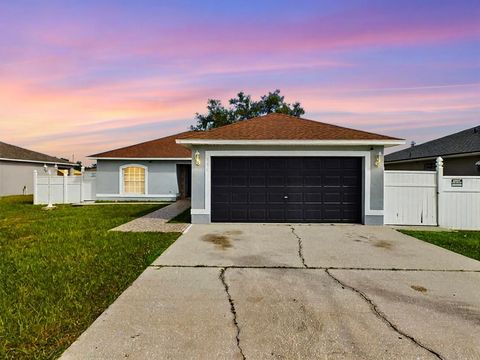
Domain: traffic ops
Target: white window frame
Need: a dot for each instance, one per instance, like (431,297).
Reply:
(120,179)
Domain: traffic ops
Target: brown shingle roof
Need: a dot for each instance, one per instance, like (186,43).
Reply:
(284,127)
(12,152)
(159,148)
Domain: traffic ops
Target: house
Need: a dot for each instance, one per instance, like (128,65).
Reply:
(280,168)
(17,165)
(273,168)
(154,170)
(460,153)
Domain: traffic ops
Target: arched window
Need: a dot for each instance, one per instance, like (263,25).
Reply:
(134,179)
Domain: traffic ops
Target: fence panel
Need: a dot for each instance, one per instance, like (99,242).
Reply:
(460,202)
(410,198)
(63,189)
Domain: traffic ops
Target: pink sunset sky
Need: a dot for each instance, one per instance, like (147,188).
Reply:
(79,77)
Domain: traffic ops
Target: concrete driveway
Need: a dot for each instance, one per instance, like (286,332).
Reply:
(294,292)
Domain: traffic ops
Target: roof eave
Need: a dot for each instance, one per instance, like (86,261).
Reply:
(445,156)
(138,158)
(39,161)
(364,142)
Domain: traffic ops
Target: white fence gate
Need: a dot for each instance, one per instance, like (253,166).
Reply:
(63,189)
(429,198)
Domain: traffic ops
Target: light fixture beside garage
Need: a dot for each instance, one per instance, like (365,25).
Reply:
(378,159)
(197,158)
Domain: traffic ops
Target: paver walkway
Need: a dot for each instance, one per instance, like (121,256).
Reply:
(157,221)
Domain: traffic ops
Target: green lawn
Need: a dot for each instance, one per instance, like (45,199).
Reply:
(463,242)
(60,269)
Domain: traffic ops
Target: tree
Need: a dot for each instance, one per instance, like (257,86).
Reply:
(243,107)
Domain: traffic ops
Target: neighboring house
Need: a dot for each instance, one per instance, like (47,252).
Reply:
(279,168)
(460,153)
(154,170)
(17,165)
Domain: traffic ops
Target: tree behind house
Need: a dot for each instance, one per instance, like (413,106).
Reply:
(243,107)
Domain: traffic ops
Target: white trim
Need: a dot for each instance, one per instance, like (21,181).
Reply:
(138,195)
(120,178)
(290,142)
(38,162)
(137,159)
(317,153)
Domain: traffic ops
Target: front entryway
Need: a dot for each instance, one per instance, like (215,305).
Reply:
(184,176)
(286,189)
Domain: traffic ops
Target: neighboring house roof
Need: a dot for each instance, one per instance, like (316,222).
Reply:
(16,153)
(275,127)
(165,147)
(463,142)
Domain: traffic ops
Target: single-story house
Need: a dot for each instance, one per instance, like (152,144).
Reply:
(17,165)
(460,153)
(280,168)
(154,170)
(273,168)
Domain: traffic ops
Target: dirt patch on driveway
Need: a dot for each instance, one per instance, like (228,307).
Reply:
(419,288)
(383,244)
(222,242)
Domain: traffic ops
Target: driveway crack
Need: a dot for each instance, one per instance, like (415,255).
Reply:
(300,247)
(382,316)
(232,310)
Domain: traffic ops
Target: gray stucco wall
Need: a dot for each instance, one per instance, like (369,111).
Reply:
(200,213)
(15,175)
(162,179)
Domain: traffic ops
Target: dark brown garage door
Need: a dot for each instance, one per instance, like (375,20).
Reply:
(286,189)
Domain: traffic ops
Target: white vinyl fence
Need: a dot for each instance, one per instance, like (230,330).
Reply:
(52,189)
(429,198)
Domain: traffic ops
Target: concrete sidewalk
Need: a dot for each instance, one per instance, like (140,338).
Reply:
(157,221)
(294,292)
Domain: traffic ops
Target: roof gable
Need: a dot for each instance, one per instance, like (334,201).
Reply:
(284,127)
(13,152)
(463,142)
(165,147)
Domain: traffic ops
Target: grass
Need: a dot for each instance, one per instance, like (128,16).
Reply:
(182,218)
(60,269)
(463,242)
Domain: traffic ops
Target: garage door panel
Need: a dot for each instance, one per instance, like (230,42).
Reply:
(239,214)
(294,180)
(281,189)
(239,198)
(257,180)
(276,180)
(313,180)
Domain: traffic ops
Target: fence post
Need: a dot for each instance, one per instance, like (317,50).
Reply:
(439,167)
(65,188)
(82,173)
(35,187)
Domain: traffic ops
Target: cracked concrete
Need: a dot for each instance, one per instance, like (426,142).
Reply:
(253,291)
(382,316)
(232,310)
(300,247)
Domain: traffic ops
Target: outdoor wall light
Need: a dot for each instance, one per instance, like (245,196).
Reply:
(378,159)
(197,158)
